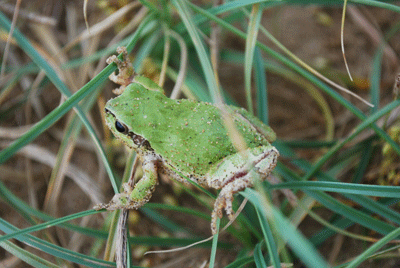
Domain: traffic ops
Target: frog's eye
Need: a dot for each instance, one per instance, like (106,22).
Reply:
(120,127)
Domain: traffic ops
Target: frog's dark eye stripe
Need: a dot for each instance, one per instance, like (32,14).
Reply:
(120,127)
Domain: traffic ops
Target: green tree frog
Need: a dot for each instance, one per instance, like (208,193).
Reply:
(184,139)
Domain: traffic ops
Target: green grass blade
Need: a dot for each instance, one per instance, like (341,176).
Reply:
(72,101)
(367,203)
(299,244)
(258,256)
(261,87)
(56,114)
(200,49)
(365,124)
(374,248)
(54,250)
(213,252)
(241,262)
(375,80)
(304,73)
(26,256)
(166,223)
(252,33)
(48,224)
(336,206)
(269,240)
(341,187)
(364,161)
(380,4)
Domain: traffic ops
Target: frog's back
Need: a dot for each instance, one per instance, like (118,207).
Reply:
(189,135)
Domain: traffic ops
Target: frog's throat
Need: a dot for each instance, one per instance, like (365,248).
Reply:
(138,140)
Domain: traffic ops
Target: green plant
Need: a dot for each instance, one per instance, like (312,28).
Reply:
(160,35)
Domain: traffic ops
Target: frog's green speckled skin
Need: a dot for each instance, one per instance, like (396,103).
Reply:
(189,135)
(186,137)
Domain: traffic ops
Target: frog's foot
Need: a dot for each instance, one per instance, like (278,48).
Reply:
(225,199)
(123,200)
(119,201)
(125,70)
(262,162)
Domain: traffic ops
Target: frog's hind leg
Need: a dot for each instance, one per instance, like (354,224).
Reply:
(225,199)
(242,179)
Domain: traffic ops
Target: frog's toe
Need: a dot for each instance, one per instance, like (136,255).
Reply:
(100,206)
(219,204)
(112,59)
(224,201)
(117,202)
(228,208)
(214,217)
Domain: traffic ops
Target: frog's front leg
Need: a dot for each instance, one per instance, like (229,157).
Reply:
(125,70)
(134,198)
